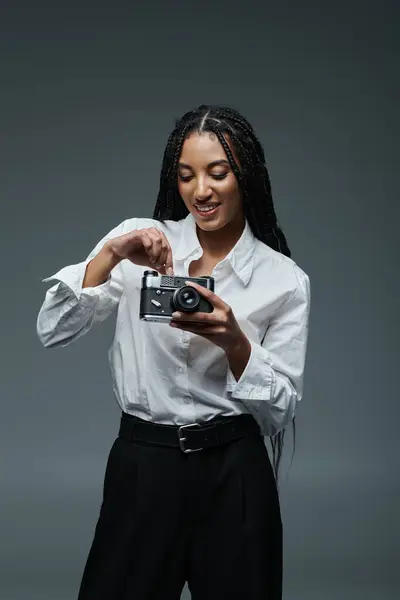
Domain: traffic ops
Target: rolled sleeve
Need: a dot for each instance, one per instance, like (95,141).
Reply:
(70,279)
(68,310)
(257,379)
(272,381)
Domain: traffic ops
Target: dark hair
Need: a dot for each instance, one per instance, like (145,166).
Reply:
(253,180)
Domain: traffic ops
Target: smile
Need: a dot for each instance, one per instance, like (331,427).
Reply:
(210,209)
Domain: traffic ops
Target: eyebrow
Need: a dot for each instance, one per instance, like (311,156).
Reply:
(215,163)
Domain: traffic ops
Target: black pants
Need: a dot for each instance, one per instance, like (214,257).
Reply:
(211,518)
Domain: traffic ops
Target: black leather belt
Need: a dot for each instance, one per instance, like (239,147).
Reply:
(192,436)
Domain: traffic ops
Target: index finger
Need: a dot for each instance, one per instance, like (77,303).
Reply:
(169,264)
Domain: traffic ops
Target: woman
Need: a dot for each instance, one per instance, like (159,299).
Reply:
(189,491)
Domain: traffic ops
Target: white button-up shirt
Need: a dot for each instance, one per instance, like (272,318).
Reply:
(175,377)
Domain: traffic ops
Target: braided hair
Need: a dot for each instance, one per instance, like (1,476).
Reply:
(253,181)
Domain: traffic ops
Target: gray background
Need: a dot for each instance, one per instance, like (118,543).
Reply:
(88,97)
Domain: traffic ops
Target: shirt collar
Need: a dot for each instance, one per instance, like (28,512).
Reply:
(241,257)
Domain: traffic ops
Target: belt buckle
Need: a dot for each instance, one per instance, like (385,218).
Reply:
(182,439)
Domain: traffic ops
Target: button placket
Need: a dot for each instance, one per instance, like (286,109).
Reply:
(183,370)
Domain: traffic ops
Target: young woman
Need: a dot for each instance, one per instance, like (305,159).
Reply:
(190,493)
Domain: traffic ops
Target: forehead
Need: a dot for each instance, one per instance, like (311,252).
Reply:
(202,148)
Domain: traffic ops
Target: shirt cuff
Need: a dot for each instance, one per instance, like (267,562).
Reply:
(257,379)
(72,278)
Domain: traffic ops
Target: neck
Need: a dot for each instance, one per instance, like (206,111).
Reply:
(217,244)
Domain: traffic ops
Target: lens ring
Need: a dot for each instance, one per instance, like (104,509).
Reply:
(186,299)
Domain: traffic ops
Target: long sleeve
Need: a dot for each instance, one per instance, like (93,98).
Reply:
(272,382)
(68,310)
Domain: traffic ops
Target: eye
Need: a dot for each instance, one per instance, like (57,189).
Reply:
(217,176)
(185,177)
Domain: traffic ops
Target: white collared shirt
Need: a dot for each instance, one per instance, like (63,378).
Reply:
(170,376)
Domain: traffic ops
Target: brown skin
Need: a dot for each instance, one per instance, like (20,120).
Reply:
(199,181)
(145,247)
(204,179)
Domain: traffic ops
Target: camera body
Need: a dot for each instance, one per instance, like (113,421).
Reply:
(161,295)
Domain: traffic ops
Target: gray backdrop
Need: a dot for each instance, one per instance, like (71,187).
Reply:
(88,97)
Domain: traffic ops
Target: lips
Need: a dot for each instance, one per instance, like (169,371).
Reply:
(208,209)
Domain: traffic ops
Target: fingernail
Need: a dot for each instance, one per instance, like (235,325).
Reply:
(170,271)
(176,315)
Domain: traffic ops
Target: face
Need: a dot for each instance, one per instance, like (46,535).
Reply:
(207,183)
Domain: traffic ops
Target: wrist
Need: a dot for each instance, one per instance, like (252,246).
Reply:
(238,355)
(238,347)
(110,257)
(99,268)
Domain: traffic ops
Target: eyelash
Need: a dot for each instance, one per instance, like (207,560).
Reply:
(218,177)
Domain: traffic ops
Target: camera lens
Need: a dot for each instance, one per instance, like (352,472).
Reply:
(185,299)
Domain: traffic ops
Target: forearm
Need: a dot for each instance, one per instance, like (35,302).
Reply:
(238,356)
(100,267)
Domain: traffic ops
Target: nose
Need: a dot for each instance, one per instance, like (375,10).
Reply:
(203,190)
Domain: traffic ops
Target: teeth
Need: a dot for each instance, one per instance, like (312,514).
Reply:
(206,208)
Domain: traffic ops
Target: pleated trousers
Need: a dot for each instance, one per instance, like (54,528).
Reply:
(210,518)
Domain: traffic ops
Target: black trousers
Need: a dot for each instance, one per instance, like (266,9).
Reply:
(210,518)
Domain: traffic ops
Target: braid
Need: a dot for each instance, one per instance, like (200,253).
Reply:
(229,154)
(171,205)
(248,173)
(248,130)
(252,176)
(272,231)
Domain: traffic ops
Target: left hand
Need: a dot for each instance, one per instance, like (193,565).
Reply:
(219,327)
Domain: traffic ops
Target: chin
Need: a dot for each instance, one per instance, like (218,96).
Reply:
(209,225)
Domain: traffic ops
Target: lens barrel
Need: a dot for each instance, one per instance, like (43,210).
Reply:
(186,299)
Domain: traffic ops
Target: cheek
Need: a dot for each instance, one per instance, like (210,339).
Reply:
(184,191)
(231,191)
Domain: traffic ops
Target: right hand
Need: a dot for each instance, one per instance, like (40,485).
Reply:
(144,247)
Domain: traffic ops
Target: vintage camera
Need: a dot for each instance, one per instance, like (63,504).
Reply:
(161,295)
